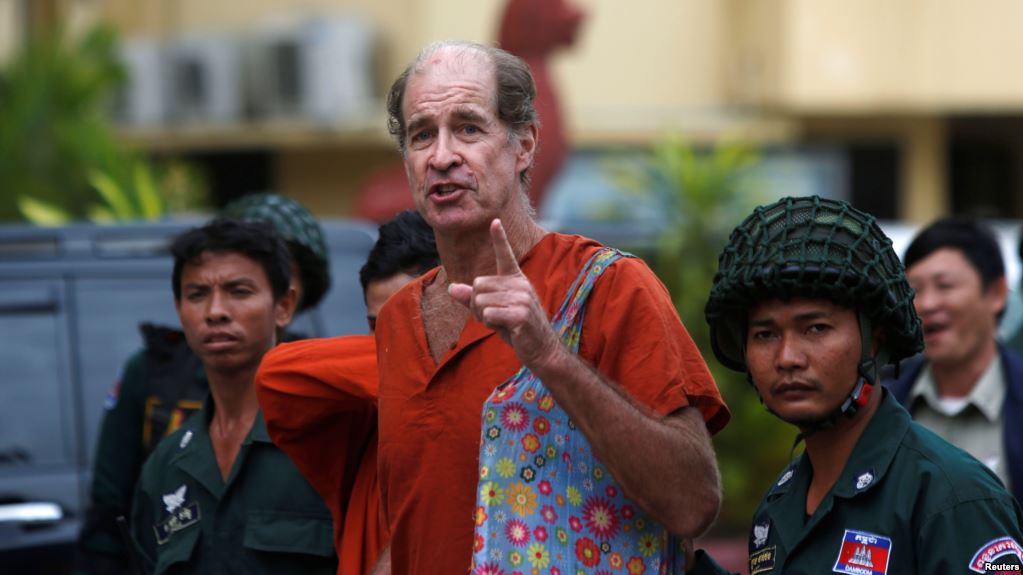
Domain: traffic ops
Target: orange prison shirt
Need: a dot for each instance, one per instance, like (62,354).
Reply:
(319,401)
(430,414)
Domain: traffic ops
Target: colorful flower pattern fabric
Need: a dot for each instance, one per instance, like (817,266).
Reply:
(545,504)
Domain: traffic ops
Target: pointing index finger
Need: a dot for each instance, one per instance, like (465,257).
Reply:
(503,254)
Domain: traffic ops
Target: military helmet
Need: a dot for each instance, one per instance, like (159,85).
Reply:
(300,230)
(811,247)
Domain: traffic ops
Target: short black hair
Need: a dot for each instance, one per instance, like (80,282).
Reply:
(256,240)
(971,236)
(404,245)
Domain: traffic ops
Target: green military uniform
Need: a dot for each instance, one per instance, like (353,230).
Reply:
(163,384)
(160,387)
(906,502)
(265,519)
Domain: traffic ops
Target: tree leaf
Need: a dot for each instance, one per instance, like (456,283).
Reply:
(101,215)
(149,201)
(42,213)
(114,195)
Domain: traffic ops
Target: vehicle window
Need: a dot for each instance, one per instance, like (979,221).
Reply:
(109,314)
(33,418)
(343,311)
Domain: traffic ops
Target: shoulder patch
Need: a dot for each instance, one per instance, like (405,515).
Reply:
(110,401)
(985,557)
(863,553)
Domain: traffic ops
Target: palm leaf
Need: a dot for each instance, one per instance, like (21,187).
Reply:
(42,213)
(149,201)
(114,195)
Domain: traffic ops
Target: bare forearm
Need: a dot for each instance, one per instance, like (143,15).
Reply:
(665,464)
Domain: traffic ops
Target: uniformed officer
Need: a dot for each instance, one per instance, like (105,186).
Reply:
(217,496)
(810,301)
(164,383)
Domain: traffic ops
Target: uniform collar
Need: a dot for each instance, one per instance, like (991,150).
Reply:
(258,432)
(869,461)
(987,395)
(194,450)
(875,449)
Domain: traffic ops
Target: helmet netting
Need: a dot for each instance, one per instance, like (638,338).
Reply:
(810,247)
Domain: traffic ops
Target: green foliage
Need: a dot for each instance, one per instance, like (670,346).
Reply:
(42,213)
(706,194)
(145,199)
(52,127)
(60,160)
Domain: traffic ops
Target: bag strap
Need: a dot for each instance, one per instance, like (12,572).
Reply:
(569,318)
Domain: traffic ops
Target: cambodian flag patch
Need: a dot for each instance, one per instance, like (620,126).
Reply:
(985,559)
(863,553)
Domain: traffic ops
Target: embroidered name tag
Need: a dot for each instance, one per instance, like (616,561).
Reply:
(762,561)
(182,517)
(863,553)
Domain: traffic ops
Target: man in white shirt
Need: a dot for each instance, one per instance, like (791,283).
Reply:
(968,388)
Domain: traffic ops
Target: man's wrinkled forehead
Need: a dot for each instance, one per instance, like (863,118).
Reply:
(453,65)
(453,60)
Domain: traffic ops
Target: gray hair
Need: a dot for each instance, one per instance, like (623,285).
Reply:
(516,92)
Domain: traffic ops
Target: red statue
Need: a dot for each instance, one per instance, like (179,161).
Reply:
(533,30)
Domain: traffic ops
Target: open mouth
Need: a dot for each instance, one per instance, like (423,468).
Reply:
(933,328)
(444,190)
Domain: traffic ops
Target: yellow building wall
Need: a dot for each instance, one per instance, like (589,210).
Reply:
(707,68)
(920,56)
(638,65)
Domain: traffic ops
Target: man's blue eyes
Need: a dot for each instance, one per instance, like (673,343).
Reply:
(471,130)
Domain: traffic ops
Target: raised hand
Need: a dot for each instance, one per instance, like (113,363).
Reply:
(507,303)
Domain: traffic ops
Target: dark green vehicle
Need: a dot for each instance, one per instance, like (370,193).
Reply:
(71,301)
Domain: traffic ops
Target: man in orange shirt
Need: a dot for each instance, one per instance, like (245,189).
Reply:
(478,360)
(319,399)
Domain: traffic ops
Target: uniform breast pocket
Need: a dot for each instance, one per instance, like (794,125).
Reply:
(281,532)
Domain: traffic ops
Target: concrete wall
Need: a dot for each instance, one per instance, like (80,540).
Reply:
(920,56)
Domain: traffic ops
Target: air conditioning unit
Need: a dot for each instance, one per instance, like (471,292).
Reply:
(204,76)
(318,70)
(141,101)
